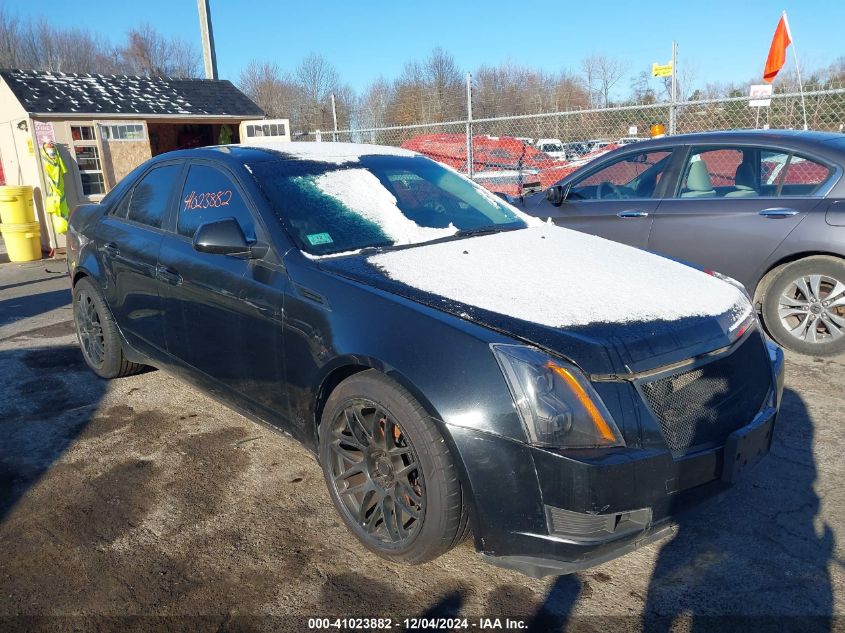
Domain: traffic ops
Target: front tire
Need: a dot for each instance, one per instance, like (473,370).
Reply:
(804,306)
(97,333)
(389,472)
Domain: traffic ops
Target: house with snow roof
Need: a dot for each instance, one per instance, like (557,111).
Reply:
(106,125)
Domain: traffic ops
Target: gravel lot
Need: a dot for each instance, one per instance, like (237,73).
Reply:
(141,503)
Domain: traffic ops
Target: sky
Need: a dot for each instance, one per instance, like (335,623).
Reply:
(722,41)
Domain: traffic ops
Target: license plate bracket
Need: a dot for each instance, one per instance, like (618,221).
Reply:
(746,446)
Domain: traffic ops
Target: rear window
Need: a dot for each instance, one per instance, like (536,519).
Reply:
(376,201)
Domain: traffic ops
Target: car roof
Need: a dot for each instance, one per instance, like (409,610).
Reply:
(245,153)
(806,139)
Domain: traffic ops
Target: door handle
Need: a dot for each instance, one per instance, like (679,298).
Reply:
(168,275)
(778,212)
(111,249)
(633,214)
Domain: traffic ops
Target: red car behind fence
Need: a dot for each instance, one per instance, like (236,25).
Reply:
(501,164)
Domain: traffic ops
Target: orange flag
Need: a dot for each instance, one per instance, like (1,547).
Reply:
(777,53)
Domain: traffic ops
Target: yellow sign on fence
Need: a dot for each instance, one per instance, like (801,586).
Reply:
(661,70)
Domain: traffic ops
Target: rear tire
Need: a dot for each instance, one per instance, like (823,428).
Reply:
(389,472)
(97,333)
(804,306)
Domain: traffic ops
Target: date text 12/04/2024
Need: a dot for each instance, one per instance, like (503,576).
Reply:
(444,624)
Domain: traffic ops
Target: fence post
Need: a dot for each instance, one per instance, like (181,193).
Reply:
(334,119)
(469,126)
(673,112)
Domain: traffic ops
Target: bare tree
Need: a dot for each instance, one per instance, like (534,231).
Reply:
(148,52)
(10,40)
(687,73)
(589,72)
(642,91)
(373,108)
(317,79)
(445,83)
(273,91)
(429,90)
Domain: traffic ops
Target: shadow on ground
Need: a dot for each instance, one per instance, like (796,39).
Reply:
(17,308)
(47,395)
(757,560)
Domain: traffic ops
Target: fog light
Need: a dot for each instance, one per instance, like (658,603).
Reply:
(587,528)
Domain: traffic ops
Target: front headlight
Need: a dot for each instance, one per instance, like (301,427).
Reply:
(556,403)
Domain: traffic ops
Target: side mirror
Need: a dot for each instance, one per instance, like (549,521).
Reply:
(556,195)
(506,197)
(225,237)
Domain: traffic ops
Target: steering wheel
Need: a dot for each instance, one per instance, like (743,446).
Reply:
(607,189)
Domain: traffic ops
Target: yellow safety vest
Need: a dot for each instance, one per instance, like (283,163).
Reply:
(54,169)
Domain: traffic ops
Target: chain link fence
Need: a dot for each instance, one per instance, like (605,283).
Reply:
(516,153)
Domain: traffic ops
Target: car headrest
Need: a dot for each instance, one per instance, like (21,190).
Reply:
(697,178)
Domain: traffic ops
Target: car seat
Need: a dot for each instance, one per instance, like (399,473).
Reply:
(698,183)
(743,181)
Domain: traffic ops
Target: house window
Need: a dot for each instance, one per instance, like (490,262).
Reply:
(123,132)
(267,129)
(88,159)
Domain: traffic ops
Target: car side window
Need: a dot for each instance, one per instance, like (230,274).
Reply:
(633,176)
(803,177)
(748,172)
(120,210)
(147,203)
(210,195)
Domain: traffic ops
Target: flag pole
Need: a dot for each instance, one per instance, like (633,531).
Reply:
(797,69)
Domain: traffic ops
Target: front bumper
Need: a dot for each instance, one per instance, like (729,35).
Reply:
(526,498)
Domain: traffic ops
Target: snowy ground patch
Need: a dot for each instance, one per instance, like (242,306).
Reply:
(561,278)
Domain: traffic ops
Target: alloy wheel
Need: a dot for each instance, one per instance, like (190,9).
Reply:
(376,474)
(90,329)
(812,308)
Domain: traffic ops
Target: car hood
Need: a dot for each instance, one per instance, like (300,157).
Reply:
(609,308)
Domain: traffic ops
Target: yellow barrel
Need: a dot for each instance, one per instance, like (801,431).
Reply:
(16,205)
(23,241)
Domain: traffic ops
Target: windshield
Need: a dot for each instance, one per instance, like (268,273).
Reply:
(377,201)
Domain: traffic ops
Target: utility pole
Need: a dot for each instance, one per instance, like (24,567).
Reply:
(469,126)
(209,57)
(673,115)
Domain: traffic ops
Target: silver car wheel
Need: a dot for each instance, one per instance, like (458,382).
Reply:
(812,308)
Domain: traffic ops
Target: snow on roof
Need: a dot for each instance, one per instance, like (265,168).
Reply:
(561,278)
(45,92)
(362,192)
(331,152)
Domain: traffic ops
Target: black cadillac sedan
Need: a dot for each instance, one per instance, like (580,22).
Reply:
(764,207)
(447,357)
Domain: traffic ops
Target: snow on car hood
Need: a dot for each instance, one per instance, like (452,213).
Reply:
(562,278)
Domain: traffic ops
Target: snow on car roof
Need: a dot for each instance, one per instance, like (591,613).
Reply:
(561,278)
(331,152)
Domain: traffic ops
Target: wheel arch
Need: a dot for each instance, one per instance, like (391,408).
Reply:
(774,269)
(345,367)
(78,274)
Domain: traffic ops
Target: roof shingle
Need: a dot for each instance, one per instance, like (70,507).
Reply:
(41,92)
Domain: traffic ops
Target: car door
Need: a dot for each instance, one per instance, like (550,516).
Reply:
(223,313)
(733,205)
(128,239)
(615,199)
